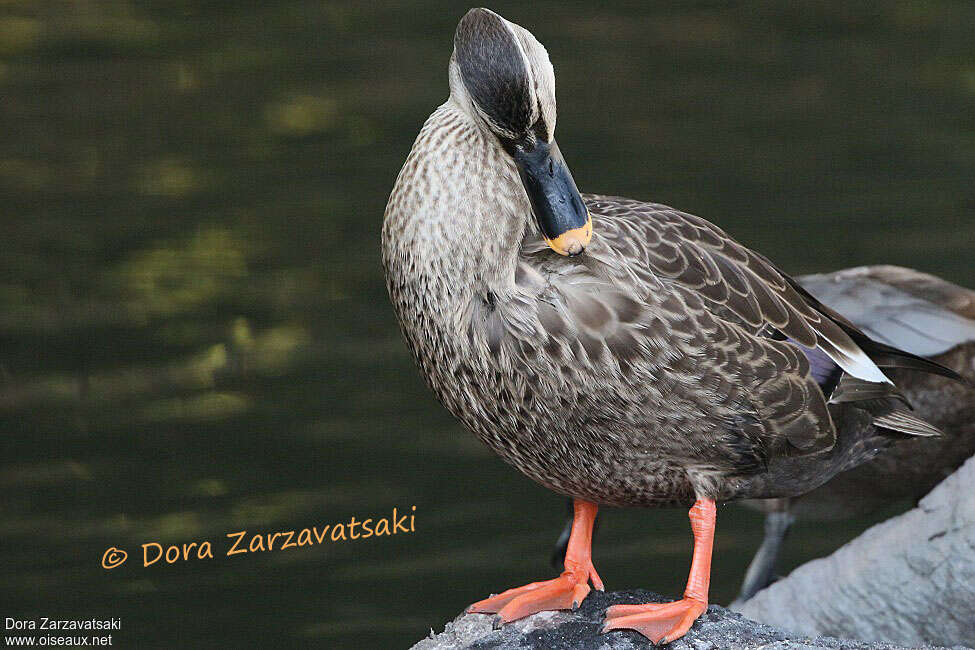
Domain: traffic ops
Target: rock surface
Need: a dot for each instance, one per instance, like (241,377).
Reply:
(908,580)
(579,630)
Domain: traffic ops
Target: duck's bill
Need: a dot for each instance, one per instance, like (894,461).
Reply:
(559,210)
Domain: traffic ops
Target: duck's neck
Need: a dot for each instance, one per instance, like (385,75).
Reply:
(457,214)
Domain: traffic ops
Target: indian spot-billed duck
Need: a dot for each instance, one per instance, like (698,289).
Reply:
(619,352)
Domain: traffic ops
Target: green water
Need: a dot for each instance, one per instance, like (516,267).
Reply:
(194,333)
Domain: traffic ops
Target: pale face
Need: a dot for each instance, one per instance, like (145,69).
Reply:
(502,76)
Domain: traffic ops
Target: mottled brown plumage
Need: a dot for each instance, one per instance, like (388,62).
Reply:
(666,364)
(647,371)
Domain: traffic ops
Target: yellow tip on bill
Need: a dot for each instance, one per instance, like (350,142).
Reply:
(572,242)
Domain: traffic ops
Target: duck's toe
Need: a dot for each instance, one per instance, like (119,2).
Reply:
(659,622)
(565,592)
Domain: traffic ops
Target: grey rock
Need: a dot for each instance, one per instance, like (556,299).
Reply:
(909,580)
(579,630)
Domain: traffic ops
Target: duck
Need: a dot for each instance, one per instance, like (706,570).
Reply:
(925,315)
(615,351)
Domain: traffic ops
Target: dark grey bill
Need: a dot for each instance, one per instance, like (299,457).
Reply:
(555,199)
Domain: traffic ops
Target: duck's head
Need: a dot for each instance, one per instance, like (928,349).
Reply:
(502,76)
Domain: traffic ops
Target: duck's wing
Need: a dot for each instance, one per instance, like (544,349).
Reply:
(735,281)
(743,287)
(724,320)
(664,313)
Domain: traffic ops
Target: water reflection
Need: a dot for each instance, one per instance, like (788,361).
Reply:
(194,330)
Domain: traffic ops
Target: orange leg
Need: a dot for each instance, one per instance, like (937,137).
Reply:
(565,592)
(665,622)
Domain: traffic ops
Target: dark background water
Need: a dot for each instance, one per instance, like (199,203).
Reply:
(194,332)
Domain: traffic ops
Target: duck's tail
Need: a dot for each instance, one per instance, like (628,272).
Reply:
(887,356)
(894,315)
(897,316)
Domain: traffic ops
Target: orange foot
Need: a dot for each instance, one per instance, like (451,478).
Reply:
(666,622)
(659,622)
(565,592)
